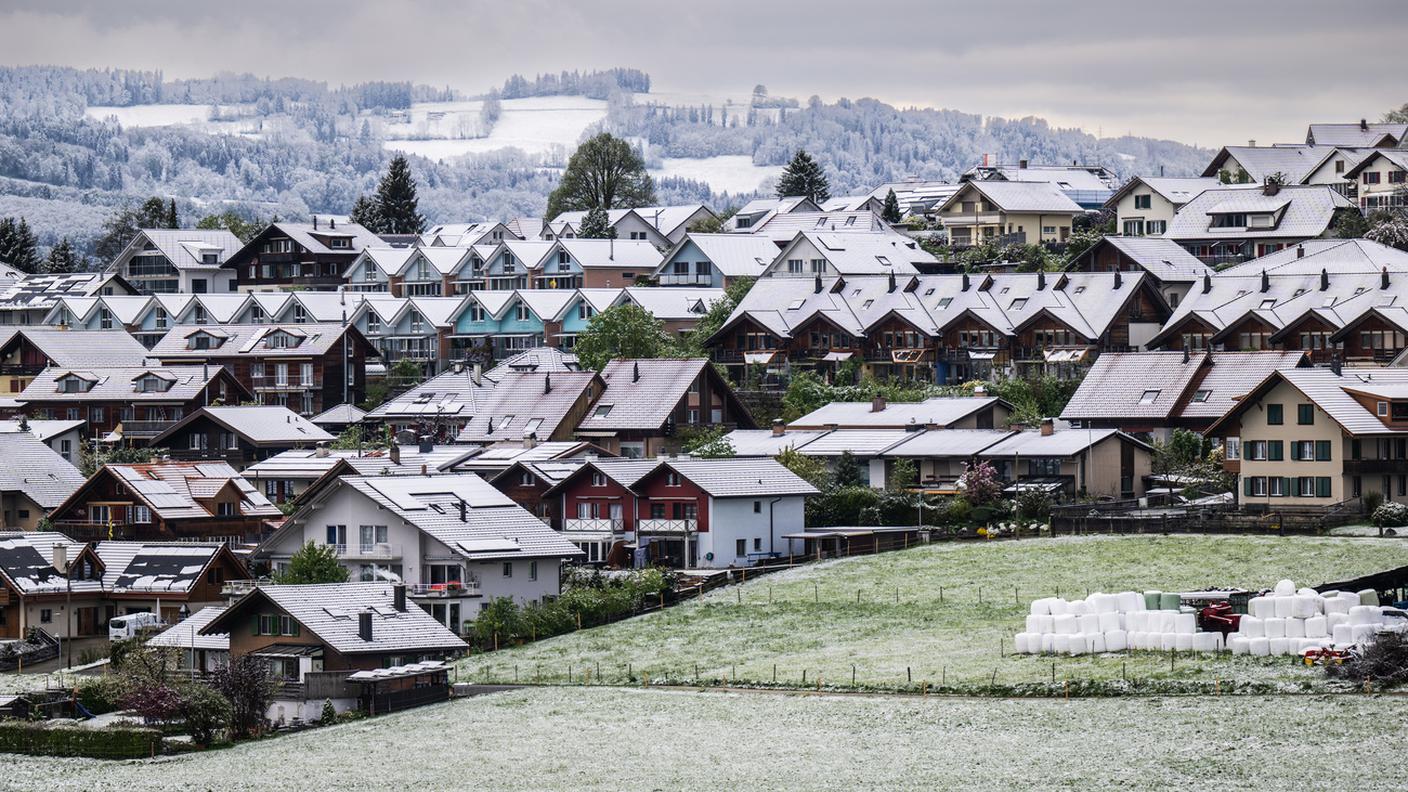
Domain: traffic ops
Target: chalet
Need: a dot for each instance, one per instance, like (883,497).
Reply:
(64,437)
(661,226)
(1088,186)
(645,404)
(439,407)
(132,403)
(456,540)
(166,501)
(1259,165)
(204,653)
(1382,179)
(1011,211)
(595,263)
(812,254)
(1089,463)
(239,435)
(599,508)
(715,260)
(1232,225)
(534,407)
(940,412)
(305,367)
(760,210)
(1173,270)
(1145,205)
(287,256)
(416,329)
(177,260)
(27,351)
(33,480)
(527,483)
(467,234)
(286,475)
(1362,134)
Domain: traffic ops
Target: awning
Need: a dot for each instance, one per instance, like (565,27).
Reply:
(759,357)
(975,355)
(907,355)
(1065,355)
(1037,485)
(838,356)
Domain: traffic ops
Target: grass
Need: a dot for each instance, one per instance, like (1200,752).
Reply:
(915,617)
(617,739)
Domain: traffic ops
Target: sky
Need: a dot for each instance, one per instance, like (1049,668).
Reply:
(1207,73)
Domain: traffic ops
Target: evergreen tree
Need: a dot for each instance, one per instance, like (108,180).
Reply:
(596,225)
(18,246)
(172,220)
(891,213)
(803,177)
(606,172)
(396,203)
(364,214)
(63,259)
(123,225)
(312,563)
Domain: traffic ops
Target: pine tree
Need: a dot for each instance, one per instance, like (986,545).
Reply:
(364,214)
(18,247)
(172,220)
(891,213)
(396,203)
(63,259)
(803,177)
(596,225)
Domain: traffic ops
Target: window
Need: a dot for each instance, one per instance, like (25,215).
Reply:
(140,515)
(602,410)
(532,570)
(757,507)
(46,615)
(1371,177)
(598,479)
(794,266)
(1303,450)
(1201,396)
(1149,396)
(1322,450)
(1143,201)
(1018,304)
(1382,409)
(225,509)
(1305,414)
(1274,415)
(740,547)
(672,479)
(508,569)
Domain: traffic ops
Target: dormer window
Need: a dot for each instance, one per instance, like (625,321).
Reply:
(160,320)
(203,341)
(210,259)
(373,323)
(282,341)
(340,243)
(150,383)
(74,384)
(300,314)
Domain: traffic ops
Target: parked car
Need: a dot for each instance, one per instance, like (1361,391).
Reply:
(124,627)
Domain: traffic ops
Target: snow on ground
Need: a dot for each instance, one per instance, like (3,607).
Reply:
(733,173)
(613,739)
(537,125)
(154,115)
(811,620)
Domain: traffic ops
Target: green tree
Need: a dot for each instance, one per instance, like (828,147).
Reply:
(596,225)
(204,711)
(1349,223)
(18,247)
(891,214)
(396,204)
(90,459)
(713,319)
(124,224)
(803,177)
(63,259)
(172,220)
(622,331)
(1398,115)
(809,468)
(1389,229)
(847,472)
(232,222)
(364,214)
(603,172)
(903,475)
(312,563)
(711,443)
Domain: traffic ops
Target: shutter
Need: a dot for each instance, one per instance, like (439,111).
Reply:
(295,631)
(256,624)
(1247,486)
(1276,450)
(1322,486)
(1286,484)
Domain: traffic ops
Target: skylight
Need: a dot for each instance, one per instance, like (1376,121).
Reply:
(795,305)
(1268,303)
(945,302)
(1201,396)
(1149,396)
(602,410)
(928,292)
(1018,304)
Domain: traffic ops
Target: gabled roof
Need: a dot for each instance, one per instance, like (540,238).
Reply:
(1164,259)
(185,248)
(342,414)
(27,562)
(916,197)
(1330,392)
(764,442)
(643,394)
(1299,212)
(529,404)
(1061,443)
(1229,375)
(43,291)
(940,411)
(542,359)
(746,477)
(675,303)
(262,426)
(120,384)
(174,490)
(33,468)
(1294,162)
(79,348)
(862,254)
(665,219)
(42,430)
(959,443)
(733,255)
(1020,196)
(454,393)
(498,456)
(1396,157)
(248,341)
(304,463)
(782,227)
(1352,134)
(158,567)
(311,238)
(1175,191)
(612,253)
(187,634)
(331,612)
(1134,385)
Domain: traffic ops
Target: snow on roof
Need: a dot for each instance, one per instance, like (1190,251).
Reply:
(188,635)
(940,411)
(35,469)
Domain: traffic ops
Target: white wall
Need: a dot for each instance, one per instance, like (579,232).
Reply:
(731,519)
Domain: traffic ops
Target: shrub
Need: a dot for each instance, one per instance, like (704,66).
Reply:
(1383,662)
(1372,501)
(329,716)
(248,684)
(1390,515)
(1034,505)
(113,742)
(104,694)
(206,712)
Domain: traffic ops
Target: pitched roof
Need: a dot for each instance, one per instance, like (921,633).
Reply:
(310,237)
(340,415)
(674,303)
(1354,134)
(1229,376)
(733,255)
(186,248)
(307,463)
(250,341)
(79,348)
(641,394)
(498,456)
(1021,196)
(27,562)
(1331,393)
(187,634)
(1061,443)
(1299,211)
(866,254)
(917,197)
(42,430)
(174,490)
(740,477)
(1177,191)
(35,469)
(940,411)
(43,291)
(946,443)
(1294,162)
(331,612)
(763,442)
(112,383)
(527,404)
(261,425)
(1134,385)
(782,227)
(1162,258)
(452,393)
(158,567)
(613,253)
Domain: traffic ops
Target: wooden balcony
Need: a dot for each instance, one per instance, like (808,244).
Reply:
(668,526)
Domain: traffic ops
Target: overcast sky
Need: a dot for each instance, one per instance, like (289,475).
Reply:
(1209,73)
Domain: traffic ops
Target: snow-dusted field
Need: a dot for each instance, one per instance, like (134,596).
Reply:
(537,125)
(900,632)
(609,739)
(735,174)
(155,115)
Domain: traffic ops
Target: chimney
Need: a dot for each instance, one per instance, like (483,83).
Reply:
(1119,279)
(424,469)
(1383,278)
(315,222)
(1364,125)
(1324,279)
(1300,251)
(1207,282)
(1185,355)
(490,425)
(364,626)
(778,427)
(1265,282)
(477,374)
(966,284)
(395,454)
(531,440)
(398,597)
(426,444)
(635,371)
(891,288)
(464,509)
(547,384)
(1040,280)
(817,288)
(1251,143)
(1048,427)
(1270,188)
(332,222)
(61,557)
(611,248)
(877,404)
(321,452)
(1335,366)
(1021,164)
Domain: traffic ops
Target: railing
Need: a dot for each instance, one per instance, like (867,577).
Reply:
(239,588)
(1376,466)
(590,525)
(463,588)
(667,526)
(692,279)
(145,428)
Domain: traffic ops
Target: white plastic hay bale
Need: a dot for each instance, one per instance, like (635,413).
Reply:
(1283,606)
(1239,645)
(1134,621)
(1261,607)
(1363,614)
(1058,606)
(1019,643)
(1061,643)
(1368,597)
(1343,634)
(1312,643)
(1116,641)
(1335,605)
(1077,647)
(1183,642)
(1064,624)
(1284,588)
(1315,627)
(1205,642)
(1334,619)
(1280,646)
(1168,641)
(1352,597)
(1295,628)
(1080,607)
(1138,640)
(1089,623)
(1319,605)
(1275,628)
(1306,591)
(1033,626)
(1131,602)
(1044,624)
(1169,621)
(1041,607)
(1252,627)
(1260,647)
(1097,643)
(1185,623)
(1107,603)
(1302,606)
(1048,643)
(1109,621)
(1363,633)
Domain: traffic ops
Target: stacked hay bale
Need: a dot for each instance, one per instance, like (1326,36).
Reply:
(1291,621)
(1112,623)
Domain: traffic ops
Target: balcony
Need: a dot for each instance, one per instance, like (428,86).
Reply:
(465,588)
(380,551)
(1376,466)
(593,526)
(668,526)
(145,429)
(234,589)
(690,279)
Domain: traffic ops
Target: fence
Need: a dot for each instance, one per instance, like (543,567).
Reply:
(37,648)
(1121,519)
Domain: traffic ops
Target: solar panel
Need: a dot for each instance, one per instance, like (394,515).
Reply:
(497,545)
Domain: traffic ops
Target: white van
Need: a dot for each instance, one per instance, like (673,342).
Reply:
(124,627)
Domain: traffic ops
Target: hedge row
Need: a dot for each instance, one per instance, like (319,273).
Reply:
(113,742)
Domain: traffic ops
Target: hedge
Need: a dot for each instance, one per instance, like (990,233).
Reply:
(113,742)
